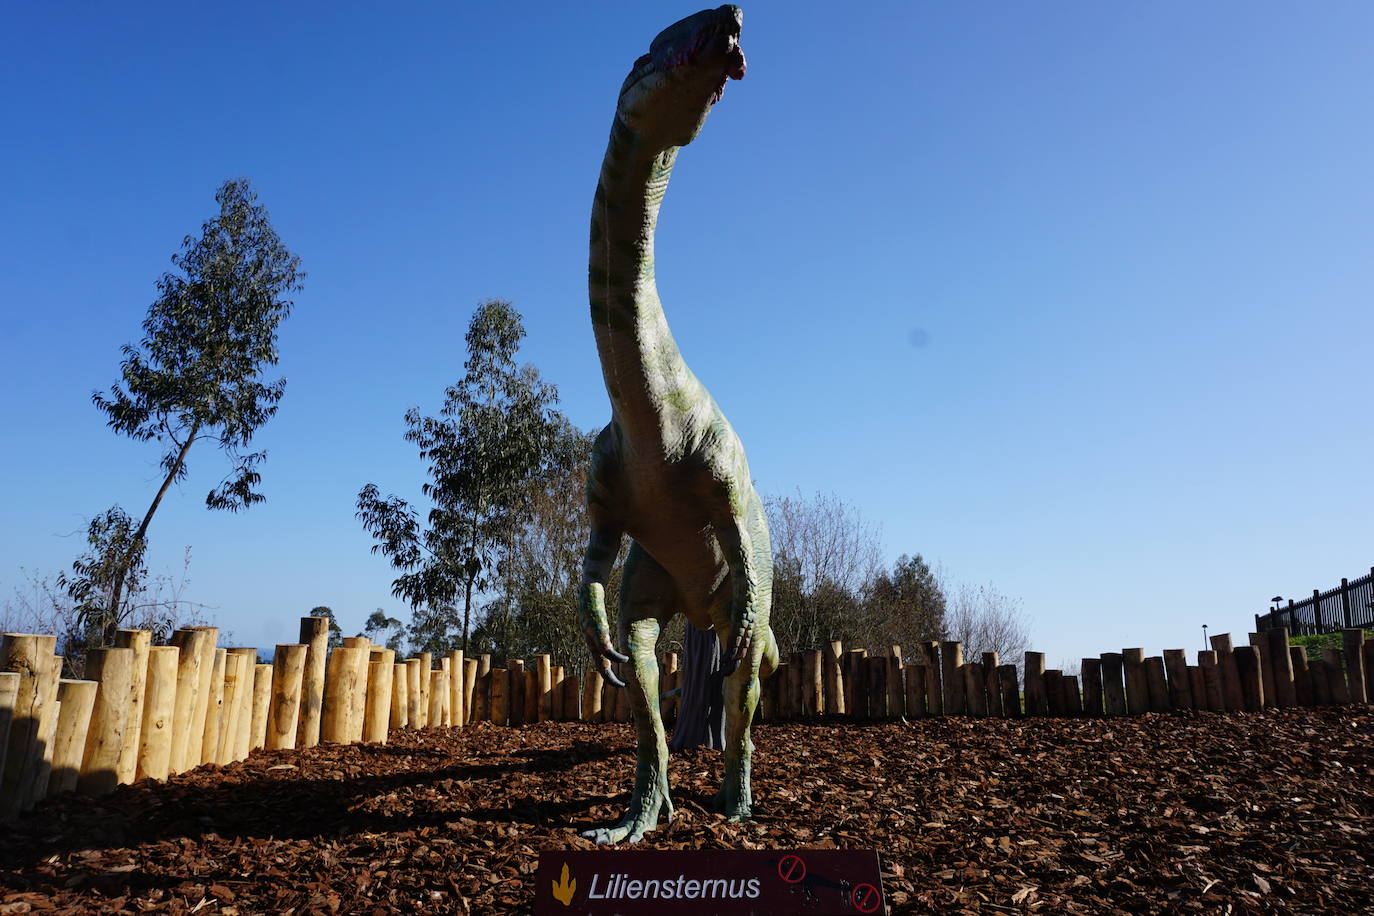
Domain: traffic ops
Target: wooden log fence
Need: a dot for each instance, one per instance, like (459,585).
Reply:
(150,712)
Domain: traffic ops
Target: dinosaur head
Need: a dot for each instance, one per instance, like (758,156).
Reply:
(671,89)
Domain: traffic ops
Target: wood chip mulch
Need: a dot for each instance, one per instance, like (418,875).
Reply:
(1268,812)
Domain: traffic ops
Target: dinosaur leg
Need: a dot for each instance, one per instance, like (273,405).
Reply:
(747,639)
(645,591)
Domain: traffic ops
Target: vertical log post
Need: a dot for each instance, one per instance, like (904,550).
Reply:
(445,690)
(48,735)
(951,659)
(262,706)
(876,684)
(896,689)
(73,725)
(1137,684)
(975,689)
(543,676)
(289,663)
(935,695)
(1197,686)
(1054,692)
(1230,674)
(813,685)
(438,695)
(1266,669)
(515,691)
(591,696)
(9,695)
(1212,697)
(1011,691)
(991,689)
(458,699)
(426,666)
(1280,662)
(206,693)
(139,641)
(1180,687)
(357,697)
(243,729)
(414,697)
(481,694)
(500,685)
(531,695)
(469,688)
(1091,670)
(400,695)
(1037,697)
(1248,672)
(1333,661)
(1156,684)
(850,677)
(381,675)
(235,666)
(1352,641)
(340,684)
(315,637)
(26,655)
(572,692)
(1113,685)
(159,713)
(834,679)
(915,690)
(1302,678)
(214,709)
(188,644)
(113,668)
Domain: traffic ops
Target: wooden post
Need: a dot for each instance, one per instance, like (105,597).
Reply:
(1280,664)
(206,694)
(1197,687)
(556,692)
(833,678)
(975,685)
(1091,671)
(139,641)
(458,699)
(381,675)
(73,724)
(469,688)
(340,684)
(1302,678)
(1332,659)
(1368,662)
(1037,697)
(189,644)
(1113,689)
(1011,691)
(47,736)
(1321,681)
(572,693)
(113,668)
(214,709)
(159,713)
(543,688)
(1230,674)
(991,689)
(849,679)
(437,693)
(1180,687)
(247,689)
(9,694)
(951,658)
(1137,685)
(288,676)
(400,695)
(1054,694)
(412,692)
(935,695)
(896,689)
(426,666)
(1073,699)
(1212,697)
(515,690)
(1352,640)
(315,637)
(1156,684)
(445,689)
(357,697)
(1248,672)
(234,665)
(26,655)
(915,690)
(531,716)
(591,696)
(876,686)
(1266,669)
(262,705)
(813,686)
(500,685)
(481,696)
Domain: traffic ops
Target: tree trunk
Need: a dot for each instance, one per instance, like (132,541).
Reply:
(111,623)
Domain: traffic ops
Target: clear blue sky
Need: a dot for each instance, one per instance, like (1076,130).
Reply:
(1071,297)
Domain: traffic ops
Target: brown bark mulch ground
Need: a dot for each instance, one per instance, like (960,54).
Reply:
(1270,812)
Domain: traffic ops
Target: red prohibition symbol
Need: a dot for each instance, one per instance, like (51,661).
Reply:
(792,869)
(866,898)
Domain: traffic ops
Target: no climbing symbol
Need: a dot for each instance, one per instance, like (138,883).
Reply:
(791,869)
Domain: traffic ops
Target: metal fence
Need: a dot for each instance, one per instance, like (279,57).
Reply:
(1351,604)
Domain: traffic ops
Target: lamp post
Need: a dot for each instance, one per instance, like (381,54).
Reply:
(1205,643)
(1274,616)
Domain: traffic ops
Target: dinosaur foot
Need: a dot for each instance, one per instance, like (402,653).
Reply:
(734,800)
(640,818)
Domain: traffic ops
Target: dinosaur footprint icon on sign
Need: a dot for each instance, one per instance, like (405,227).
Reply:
(563,889)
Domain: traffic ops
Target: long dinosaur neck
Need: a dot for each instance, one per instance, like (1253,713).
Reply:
(639,358)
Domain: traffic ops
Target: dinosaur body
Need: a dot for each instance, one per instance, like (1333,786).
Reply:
(668,471)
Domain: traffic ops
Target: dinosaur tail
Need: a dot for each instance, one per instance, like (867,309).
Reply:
(770,661)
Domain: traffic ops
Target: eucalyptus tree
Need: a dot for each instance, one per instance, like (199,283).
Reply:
(197,375)
(493,434)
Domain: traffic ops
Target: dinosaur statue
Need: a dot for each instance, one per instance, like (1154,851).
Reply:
(668,471)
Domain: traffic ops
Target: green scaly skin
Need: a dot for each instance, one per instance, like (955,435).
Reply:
(668,471)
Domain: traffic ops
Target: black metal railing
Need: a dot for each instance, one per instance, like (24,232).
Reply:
(1350,604)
